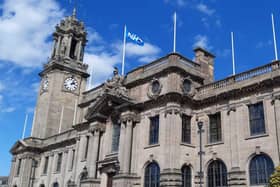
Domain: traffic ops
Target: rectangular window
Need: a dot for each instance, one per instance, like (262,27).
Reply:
(256,117)
(59,162)
(72,159)
(186,129)
(18,167)
(116,137)
(86,148)
(215,128)
(154,128)
(45,170)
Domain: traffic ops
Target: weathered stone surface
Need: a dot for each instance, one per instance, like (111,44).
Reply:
(73,129)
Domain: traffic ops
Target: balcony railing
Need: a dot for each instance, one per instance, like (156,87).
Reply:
(239,77)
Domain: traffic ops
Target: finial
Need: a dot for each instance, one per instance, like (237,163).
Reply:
(74,12)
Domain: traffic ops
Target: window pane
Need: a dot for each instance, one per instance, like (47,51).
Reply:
(59,161)
(260,169)
(217,174)
(19,167)
(152,175)
(46,165)
(256,117)
(154,127)
(215,128)
(116,137)
(186,177)
(186,129)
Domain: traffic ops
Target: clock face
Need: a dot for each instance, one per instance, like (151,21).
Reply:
(71,84)
(45,84)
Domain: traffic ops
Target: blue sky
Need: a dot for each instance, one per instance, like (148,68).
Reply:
(25,41)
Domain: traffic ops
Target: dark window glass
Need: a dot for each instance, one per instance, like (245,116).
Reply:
(256,116)
(59,162)
(215,128)
(73,48)
(152,175)
(46,165)
(217,174)
(18,167)
(116,137)
(186,129)
(55,184)
(186,176)
(154,127)
(86,148)
(186,86)
(261,167)
(155,87)
(73,158)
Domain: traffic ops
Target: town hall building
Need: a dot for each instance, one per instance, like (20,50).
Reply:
(167,123)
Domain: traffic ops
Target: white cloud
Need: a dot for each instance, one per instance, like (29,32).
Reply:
(205,9)
(179,3)
(148,50)
(2,86)
(262,44)
(202,41)
(101,65)
(35,86)
(223,52)
(8,110)
(25,27)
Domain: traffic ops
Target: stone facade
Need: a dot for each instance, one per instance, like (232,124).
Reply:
(102,137)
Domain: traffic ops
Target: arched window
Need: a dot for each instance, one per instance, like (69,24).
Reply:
(152,175)
(186,176)
(261,167)
(55,184)
(217,174)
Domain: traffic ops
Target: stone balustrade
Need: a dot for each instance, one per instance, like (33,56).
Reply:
(239,77)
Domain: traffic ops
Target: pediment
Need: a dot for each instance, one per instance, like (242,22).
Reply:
(105,105)
(28,144)
(19,146)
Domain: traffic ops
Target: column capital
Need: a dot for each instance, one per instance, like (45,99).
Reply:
(129,116)
(96,127)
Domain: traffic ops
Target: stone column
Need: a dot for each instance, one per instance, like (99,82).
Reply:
(128,144)
(69,45)
(122,147)
(26,171)
(64,166)
(54,47)
(82,147)
(76,157)
(127,118)
(50,169)
(12,171)
(58,44)
(54,163)
(104,178)
(79,50)
(96,129)
(234,138)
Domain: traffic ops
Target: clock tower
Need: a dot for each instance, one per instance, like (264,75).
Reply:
(63,80)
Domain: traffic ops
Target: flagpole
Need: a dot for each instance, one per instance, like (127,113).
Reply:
(232,52)
(124,43)
(24,126)
(174,39)
(274,37)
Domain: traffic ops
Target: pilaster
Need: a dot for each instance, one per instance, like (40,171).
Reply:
(96,129)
